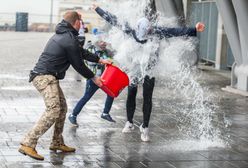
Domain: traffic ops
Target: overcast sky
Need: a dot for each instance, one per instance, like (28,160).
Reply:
(31,6)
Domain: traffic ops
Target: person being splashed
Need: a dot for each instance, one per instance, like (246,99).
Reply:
(143,34)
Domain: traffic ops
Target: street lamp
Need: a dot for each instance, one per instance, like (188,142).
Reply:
(51,17)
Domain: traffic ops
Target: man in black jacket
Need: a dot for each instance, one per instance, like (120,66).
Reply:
(61,51)
(143,33)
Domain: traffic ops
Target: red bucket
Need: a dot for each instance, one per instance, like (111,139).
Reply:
(114,80)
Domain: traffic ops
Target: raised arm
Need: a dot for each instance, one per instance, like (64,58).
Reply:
(164,32)
(112,19)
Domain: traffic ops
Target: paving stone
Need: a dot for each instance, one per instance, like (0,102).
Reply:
(29,165)
(131,164)
(225,164)
(224,155)
(240,164)
(159,165)
(193,164)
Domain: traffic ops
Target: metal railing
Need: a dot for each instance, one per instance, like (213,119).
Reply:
(207,12)
(36,22)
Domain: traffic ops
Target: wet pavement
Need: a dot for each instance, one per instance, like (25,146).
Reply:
(100,143)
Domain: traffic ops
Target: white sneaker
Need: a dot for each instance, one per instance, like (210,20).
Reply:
(129,127)
(144,134)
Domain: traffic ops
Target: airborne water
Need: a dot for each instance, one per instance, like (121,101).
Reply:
(196,112)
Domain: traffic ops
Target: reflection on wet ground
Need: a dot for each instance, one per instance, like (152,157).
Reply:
(100,143)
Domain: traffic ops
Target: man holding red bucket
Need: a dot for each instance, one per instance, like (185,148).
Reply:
(143,33)
(61,51)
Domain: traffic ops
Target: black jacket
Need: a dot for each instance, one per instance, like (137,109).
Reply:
(61,51)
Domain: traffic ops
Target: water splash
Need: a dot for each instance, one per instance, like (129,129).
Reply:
(196,111)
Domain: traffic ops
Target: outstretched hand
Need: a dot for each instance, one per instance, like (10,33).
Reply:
(200,27)
(102,61)
(94,6)
(98,81)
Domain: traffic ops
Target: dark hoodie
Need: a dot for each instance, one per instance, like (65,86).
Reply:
(61,51)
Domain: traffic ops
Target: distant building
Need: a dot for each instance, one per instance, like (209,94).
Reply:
(40,27)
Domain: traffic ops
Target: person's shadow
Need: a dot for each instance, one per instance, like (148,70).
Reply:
(57,158)
(108,157)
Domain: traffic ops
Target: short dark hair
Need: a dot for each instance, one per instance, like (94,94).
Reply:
(71,17)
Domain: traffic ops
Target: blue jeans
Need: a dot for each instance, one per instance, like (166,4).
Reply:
(90,90)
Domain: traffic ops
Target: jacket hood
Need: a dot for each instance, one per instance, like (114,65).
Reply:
(64,27)
(142,28)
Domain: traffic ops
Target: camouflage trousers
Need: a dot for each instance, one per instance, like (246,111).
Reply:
(55,113)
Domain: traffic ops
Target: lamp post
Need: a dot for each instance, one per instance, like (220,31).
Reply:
(51,17)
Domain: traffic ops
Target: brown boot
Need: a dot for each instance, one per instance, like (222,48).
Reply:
(62,148)
(30,152)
